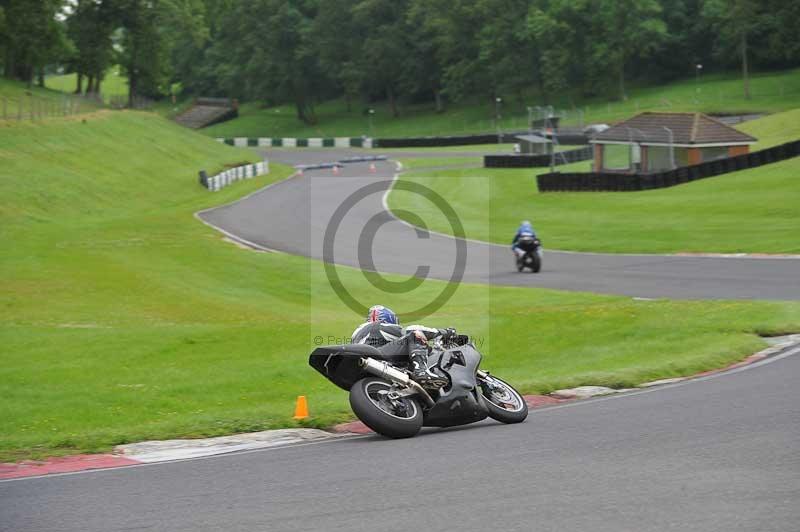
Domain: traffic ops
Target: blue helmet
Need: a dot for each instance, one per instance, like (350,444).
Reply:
(381,314)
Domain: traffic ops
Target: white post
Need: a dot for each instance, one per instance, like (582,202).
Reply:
(671,148)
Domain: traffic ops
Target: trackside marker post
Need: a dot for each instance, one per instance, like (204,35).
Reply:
(301,408)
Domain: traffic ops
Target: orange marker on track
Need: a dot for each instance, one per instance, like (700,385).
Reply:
(301,408)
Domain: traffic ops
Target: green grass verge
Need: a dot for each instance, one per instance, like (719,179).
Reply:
(123,318)
(774,129)
(440,162)
(749,211)
(771,92)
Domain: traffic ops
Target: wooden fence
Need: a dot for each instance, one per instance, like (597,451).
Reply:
(32,107)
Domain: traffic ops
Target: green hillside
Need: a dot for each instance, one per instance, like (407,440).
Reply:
(123,318)
(771,92)
(750,211)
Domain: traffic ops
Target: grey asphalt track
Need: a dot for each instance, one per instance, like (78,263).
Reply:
(292,216)
(719,454)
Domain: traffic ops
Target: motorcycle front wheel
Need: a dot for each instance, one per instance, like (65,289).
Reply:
(374,402)
(536,265)
(504,403)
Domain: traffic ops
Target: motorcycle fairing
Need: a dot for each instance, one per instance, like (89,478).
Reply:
(461,402)
(339,363)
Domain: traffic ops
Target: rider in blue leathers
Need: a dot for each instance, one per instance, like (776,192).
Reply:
(525,230)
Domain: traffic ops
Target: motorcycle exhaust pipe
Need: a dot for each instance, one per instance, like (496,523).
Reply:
(386,371)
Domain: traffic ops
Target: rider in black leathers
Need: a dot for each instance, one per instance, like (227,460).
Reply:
(382,330)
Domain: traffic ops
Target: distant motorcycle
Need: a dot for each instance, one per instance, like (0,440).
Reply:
(385,398)
(532,258)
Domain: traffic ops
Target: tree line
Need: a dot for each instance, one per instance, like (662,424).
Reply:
(308,51)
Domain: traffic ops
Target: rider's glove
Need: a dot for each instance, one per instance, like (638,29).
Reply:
(447,334)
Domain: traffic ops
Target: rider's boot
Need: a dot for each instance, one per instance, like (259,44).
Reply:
(421,373)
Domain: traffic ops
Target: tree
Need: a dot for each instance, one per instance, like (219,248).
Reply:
(505,48)
(31,38)
(334,33)
(384,38)
(90,26)
(2,34)
(737,22)
(422,68)
(783,44)
(451,26)
(187,33)
(266,51)
(624,30)
(144,54)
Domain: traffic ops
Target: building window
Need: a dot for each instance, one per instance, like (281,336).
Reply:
(616,157)
(713,154)
(681,157)
(659,158)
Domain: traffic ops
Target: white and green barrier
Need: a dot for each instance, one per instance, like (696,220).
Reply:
(223,179)
(289,142)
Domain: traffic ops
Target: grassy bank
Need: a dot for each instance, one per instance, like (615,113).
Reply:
(123,318)
(749,211)
(771,92)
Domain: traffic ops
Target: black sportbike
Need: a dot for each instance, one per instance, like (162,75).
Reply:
(532,258)
(385,398)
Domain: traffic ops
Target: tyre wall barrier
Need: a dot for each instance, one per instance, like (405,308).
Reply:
(406,142)
(288,142)
(532,161)
(621,182)
(457,140)
(570,137)
(231,175)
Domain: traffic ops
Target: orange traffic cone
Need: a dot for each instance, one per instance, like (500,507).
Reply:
(301,408)
(371,168)
(335,170)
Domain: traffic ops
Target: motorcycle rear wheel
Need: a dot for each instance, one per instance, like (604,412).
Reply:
(505,404)
(398,418)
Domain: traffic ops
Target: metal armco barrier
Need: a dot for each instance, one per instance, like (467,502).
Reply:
(364,159)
